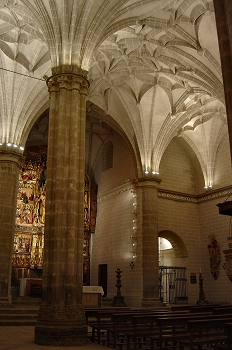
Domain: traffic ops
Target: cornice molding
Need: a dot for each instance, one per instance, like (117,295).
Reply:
(171,195)
(205,197)
(117,191)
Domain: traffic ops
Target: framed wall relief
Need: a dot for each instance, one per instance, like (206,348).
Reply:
(28,246)
(22,243)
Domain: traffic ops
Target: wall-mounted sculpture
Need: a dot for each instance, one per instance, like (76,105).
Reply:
(214,256)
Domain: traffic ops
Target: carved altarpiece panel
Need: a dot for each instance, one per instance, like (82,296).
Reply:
(27,259)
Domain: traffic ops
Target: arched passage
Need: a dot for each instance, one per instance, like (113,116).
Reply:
(173,283)
(176,242)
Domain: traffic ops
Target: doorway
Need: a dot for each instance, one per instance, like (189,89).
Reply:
(102,278)
(173,284)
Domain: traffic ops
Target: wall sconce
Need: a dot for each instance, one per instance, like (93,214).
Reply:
(133,237)
(209,187)
(134,248)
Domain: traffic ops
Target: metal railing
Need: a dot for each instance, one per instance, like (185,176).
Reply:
(172,284)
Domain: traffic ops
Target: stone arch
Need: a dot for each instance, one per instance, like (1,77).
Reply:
(178,244)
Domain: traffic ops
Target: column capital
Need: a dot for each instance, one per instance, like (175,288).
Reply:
(7,156)
(69,80)
(147,181)
(72,69)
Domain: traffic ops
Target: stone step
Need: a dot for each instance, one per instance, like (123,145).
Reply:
(19,316)
(13,311)
(22,322)
(26,301)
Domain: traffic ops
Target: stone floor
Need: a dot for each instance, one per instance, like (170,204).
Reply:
(22,338)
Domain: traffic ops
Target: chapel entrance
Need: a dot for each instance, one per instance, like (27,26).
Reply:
(173,284)
(172,271)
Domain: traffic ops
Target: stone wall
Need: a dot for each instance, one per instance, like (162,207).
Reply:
(189,218)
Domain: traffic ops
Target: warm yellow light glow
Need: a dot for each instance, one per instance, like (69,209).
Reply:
(164,244)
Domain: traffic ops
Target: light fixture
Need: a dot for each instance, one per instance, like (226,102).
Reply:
(133,237)
(209,187)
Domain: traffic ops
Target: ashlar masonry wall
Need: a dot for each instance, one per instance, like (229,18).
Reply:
(184,208)
(194,221)
(112,243)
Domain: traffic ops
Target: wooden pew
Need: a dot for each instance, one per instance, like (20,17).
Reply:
(173,328)
(91,312)
(222,310)
(180,308)
(207,307)
(123,324)
(145,327)
(228,331)
(205,332)
(141,328)
(103,319)
(203,308)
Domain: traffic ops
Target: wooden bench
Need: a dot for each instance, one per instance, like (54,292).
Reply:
(103,322)
(103,319)
(208,332)
(228,331)
(172,329)
(207,307)
(145,327)
(125,324)
(222,310)
(91,312)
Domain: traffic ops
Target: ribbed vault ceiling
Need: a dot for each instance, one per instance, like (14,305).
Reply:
(153,67)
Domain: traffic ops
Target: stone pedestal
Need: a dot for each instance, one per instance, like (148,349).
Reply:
(61,318)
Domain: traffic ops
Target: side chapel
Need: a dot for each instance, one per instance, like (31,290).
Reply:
(28,246)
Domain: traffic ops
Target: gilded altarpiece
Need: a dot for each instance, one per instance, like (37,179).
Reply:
(27,260)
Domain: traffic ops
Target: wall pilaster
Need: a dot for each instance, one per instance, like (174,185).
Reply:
(147,196)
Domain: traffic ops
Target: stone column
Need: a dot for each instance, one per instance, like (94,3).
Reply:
(147,190)
(61,319)
(9,176)
(223,14)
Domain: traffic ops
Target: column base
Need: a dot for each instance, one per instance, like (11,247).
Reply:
(152,302)
(60,335)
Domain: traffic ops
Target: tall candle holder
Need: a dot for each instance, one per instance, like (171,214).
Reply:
(118,299)
(201,299)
